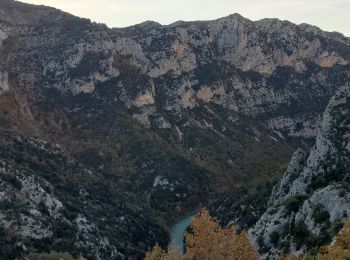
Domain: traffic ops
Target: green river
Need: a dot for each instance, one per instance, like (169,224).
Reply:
(177,233)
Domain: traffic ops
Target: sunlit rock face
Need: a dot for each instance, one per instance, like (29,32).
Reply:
(206,106)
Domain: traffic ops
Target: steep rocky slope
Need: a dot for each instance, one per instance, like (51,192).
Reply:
(50,201)
(313,196)
(167,117)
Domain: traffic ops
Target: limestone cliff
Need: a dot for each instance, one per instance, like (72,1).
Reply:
(313,196)
(150,118)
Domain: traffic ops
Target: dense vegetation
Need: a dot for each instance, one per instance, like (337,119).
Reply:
(242,205)
(130,128)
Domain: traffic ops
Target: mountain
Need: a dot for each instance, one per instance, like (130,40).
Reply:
(305,209)
(313,196)
(112,134)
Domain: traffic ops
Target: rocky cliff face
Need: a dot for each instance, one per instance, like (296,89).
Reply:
(171,115)
(313,196)
(51,201)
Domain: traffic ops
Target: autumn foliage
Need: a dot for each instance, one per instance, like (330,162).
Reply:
(208,241)
(340,248)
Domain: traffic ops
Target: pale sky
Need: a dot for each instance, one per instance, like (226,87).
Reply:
(330,15)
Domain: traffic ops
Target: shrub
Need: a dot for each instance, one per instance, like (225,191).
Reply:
(293,203)
(320,215)
(301,234)
(274,237)
(12,179)
(157,253)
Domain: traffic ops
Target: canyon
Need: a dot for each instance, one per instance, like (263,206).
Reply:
(111,135)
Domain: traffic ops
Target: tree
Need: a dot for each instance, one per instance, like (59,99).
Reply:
(157,253)
(208,240)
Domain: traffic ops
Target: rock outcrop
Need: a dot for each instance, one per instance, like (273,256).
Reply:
(313,196)
(51,199)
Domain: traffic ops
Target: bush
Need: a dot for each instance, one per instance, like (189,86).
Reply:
(12,179)
(293,203)
(7,204)
(320,215)
(285,246)
(274,237)
(301,234)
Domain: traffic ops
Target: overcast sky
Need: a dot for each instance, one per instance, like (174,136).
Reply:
(330,15)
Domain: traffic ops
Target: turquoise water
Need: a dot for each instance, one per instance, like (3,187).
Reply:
(177,233)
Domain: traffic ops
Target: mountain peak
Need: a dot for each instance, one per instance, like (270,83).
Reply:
(125,130)
(19,13)
(148,25)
